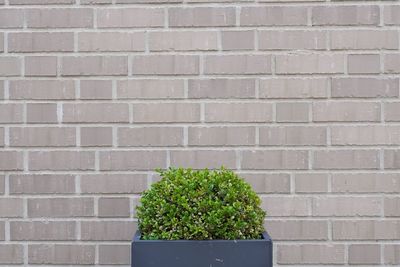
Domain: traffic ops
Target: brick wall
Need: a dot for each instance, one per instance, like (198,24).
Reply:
(300,97)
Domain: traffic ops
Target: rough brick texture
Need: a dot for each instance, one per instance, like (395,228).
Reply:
(301,97)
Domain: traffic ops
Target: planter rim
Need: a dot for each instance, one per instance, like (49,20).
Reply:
(265,235)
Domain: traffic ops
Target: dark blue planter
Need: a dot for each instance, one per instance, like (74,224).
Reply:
(201,253)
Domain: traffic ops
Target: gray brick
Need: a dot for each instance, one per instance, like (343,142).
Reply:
(292,136)
(113,183)
(274,159)
(311,254)
(392,254)
(222,88)
(41,231)
(392,206)
(114,254)
(292,112)
(130,17)
(366,230)
(183,41)
(292,40)
(41,66)
(346,111)
(94,65)
(273,16)
(132,160)
(41,113)
(200,159)
(310,63)
(166,112)
(366,183)
(61,160)
(347,206)
(42,136)
(363,64)
(59,254)
(10,66)
(111,41)
(95,113)
(114,207)
(11,254)
(365,135)
(59,18)
(165,65)
(238,112)
(108,230)
(268,183)
(96,89)
(364,254)
(42,184)
(11,18)
(364,39)
(11,207)
(60,207)
(294,88)
(237,40)
(237,64)
(391,15)
(286,206)
(392,63)
(311,182)
(150,136)
(221,136)
(41,41)
(297,229)
(365,87)
(11,161)
(391,159)
(150,89)
(42,89)
(201,17)
(346,159)
(345,15)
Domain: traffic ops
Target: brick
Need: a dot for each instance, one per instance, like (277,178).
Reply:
(60,207)
(150,136)
(365,135)
(11,18)
(2,185)
(391,159)
(292,136)
(132,160)
(365,87)
(310,63)
(311,182)
(61,160)
(11,161)
(237,64)
(392,63)
(292,112)
(61,254)
(96,89)
(366,183)
(221,88)
(150,89)
(114,207)
(286,206)
(311,254)
(346,159)
(364,39)
(165,65)
(297,229)
(292,40)
(111,41)
(95,113)
(42,136)
(11,113)
(183,41)
(166,112)
(200,159)
(346,111)
(2,232)
(96,136)
(221,136)
(1,42)
(273,16)
(94,2)
(114,254)
(130,17)
(2,90)
(40,2)
(41,231)
(237,40)
(268,183)
(41,66)
(345,15)
(42,89)
(392,207)
(2,137)
(392,254)
(363,64)
(42,184)
(113,183)
(364,254)
(10,66)
(201,17)
(11,207)
(60,18)
(94,65)
(347,206)
(41,42)
(146,1)
(392,111)
(366,230)
(238,112)
(11,254)
(294,88)
(391,15)
(41,113)
(108,230)
(275,159)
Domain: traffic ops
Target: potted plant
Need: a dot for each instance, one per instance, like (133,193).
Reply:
(200,218)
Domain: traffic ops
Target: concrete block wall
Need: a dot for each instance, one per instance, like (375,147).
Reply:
(299,97)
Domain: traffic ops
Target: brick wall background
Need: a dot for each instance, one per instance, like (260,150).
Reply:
(300,97)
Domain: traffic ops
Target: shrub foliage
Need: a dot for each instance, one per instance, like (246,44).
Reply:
(199,205)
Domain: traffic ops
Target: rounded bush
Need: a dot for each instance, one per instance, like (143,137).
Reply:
(199,205)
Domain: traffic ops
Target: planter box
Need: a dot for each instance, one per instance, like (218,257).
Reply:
(201,253)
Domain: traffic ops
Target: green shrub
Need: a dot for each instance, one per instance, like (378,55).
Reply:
(198,205)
